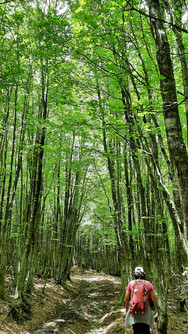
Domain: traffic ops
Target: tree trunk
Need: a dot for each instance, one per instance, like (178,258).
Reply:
(176,145)
(178,11)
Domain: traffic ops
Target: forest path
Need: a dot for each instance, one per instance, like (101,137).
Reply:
(92,309)
(89,305)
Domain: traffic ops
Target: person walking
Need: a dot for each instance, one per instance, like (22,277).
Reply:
(139,298)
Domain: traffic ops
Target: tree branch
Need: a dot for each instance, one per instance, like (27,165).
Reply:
(156,18)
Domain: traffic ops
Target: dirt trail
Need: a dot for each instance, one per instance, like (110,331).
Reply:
(88,306)
(92,308)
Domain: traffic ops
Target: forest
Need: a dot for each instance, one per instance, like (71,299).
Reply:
(93,143)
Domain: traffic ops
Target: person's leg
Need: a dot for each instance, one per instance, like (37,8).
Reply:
(140,328)
(136,329)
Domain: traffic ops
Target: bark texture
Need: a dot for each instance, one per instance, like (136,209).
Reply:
(176,144)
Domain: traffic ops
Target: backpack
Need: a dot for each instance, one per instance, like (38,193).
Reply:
(139,298)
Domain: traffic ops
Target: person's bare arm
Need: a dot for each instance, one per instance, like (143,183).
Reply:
(154,296)
(127,298)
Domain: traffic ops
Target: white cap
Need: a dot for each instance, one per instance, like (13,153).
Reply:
(139,270)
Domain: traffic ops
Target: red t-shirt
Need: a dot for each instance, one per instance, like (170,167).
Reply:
(149,286)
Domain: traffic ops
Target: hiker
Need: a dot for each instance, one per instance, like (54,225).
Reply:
(139,314)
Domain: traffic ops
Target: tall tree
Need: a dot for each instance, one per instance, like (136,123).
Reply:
(176,144)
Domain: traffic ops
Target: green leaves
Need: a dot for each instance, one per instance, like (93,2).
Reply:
(92,71)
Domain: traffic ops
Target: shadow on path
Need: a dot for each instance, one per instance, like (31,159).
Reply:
(92,309)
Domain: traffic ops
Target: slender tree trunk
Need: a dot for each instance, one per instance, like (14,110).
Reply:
(36,187)
(129,203)
(4,230)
